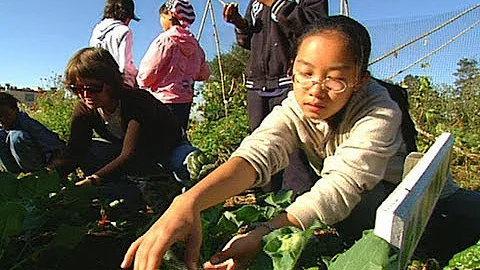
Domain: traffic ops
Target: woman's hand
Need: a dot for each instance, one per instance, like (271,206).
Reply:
(239,252)
(181,222)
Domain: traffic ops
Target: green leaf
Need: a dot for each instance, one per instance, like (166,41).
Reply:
(8,186)
(38,184)
(285,246)
(466,259)
(282,199)
(12,215)
(244,215)
(68,236)
(269,212)
(210,216)
(35,219)
(262,262)
(369,253)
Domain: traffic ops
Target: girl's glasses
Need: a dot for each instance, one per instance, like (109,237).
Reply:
(89,88)
(329,84)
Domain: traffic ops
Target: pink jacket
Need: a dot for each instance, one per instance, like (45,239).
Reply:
(172,62)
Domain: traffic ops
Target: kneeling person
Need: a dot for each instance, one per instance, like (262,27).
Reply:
(137,132)
(25,144)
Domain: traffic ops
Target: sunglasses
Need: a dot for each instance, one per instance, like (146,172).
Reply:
(89,88)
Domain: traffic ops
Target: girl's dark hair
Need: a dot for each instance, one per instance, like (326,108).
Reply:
(97,64)
(120,10)
(8,100)
(164,10)
(356,36)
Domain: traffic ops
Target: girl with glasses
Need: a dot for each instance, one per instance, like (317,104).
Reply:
(350,130)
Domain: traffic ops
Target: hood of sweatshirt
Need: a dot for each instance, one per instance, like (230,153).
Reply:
(187,43)
(104,27)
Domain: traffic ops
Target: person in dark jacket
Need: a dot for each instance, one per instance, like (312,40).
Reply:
(269,30)
(26,145)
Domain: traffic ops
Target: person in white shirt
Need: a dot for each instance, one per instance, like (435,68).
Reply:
(114,35)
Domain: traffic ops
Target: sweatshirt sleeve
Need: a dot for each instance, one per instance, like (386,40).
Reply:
(296,14)
(268,148)
(357,165)
(151,66)
(124,42)
(293,15)
(127,66)
(81,131)
(204,72)
(46,139)
(244,35)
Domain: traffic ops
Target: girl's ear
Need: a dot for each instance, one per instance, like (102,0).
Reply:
(366,76)
(364,79)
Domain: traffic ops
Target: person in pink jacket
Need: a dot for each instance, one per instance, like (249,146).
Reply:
(174,61)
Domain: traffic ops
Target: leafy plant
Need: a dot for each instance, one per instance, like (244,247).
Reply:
(285,248)
(453,109)
(54,111)
(467,259)
(42,224)
(36,216)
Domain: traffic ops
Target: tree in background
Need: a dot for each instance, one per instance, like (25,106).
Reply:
(453,109)
(216,133)
(467,91)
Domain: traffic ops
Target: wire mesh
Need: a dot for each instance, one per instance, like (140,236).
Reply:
(435,55)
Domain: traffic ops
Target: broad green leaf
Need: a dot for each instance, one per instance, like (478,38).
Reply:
(38,184)
(244,215)
(262,262)
(282,199)
(8,186)
(269,212)
(210,216)
(34,220)
(369,253)
(466,259)
(285,246)
(68,236)
(227,223)
(12,215)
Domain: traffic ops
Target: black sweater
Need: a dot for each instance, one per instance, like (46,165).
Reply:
(159,131)
(270,35)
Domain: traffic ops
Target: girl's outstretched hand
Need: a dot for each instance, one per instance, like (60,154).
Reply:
(181,222)
(238,253)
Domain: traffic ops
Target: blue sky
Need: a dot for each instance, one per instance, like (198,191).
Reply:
(38,37)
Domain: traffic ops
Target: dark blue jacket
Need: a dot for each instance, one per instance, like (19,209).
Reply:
(270,35)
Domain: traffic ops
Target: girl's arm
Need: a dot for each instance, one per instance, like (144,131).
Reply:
(129,147)
(182,222)
(295,16)
(244,29)
(78,143)
(126,59)
(231,178)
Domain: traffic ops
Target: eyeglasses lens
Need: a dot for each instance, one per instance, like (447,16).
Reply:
(89,88)
(334,85)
